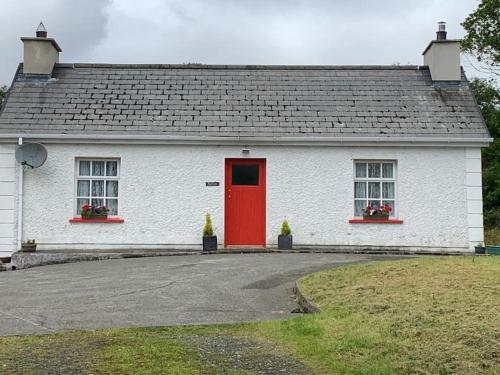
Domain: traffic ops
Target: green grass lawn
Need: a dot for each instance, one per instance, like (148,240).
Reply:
(435,315)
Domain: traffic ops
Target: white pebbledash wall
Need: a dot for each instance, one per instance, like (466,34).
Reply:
(163,196)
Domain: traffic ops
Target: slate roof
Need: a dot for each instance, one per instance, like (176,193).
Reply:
(244,101)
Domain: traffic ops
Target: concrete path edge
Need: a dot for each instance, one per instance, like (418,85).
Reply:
(306,306)
(22,260)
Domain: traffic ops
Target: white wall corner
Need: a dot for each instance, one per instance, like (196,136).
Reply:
(474,195)
(476,236)
(7,200)
(474,179)
(474,207)
(473,153)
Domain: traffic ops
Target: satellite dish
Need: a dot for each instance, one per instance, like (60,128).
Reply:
(32,155)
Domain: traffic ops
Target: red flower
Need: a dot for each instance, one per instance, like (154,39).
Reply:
(85,207)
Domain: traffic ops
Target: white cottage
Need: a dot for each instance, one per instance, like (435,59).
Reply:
(161,145)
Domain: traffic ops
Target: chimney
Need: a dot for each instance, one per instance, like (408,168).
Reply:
(442,56)
(40,53)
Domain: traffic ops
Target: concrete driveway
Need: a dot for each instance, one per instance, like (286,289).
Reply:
(158,291)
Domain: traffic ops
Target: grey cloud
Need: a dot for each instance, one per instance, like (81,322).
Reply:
(231,31)
(276,32)
(77,25)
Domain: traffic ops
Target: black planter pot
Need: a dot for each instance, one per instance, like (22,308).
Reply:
(480,249)
(28,248)
(285,242)
(209,243)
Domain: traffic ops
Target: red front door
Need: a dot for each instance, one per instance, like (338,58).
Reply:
(245,202)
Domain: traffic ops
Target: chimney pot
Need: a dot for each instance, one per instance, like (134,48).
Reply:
(41,31)
(441,33)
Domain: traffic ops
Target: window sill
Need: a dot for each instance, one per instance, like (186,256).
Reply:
(375,221)
(109,220)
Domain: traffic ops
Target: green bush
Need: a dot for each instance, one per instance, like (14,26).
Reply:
(285,228)
(492,218)
(208,229)
(488,98)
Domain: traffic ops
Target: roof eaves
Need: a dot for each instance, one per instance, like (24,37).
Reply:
(249,140)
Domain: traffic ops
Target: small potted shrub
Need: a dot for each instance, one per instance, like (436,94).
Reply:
(377,213)
(285,239)
(480,249)
(94,212)
(209,240)
(28,246)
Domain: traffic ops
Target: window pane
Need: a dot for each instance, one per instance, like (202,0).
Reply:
(374,190)
(391,204)
(358,207)
(360,190)
(112,205)
(97,168)
(83,188)
(373,170)
(245,175)
(387,170)
(97,202)
(84,168)
(388,190)
(111,168)
(97,188)
(374,204)
(79,203)
(361,170)
(112,188)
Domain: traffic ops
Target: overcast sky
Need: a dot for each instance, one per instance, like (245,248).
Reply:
(326,32)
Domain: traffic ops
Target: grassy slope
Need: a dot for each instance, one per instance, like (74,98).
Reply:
(432,315)
(423,316)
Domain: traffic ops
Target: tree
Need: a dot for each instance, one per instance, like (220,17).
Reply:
(3,94)
(483,34)
(488,99)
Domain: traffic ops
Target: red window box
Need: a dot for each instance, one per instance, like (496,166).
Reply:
(108,220)
(375,221)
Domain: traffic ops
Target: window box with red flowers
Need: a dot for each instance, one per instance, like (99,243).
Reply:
(94,212)
(377,213)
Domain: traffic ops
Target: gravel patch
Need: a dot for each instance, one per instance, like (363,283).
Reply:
(227,354)
(61,358)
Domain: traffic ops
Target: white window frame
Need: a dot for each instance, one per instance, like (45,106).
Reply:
(101,178)
(376,179)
